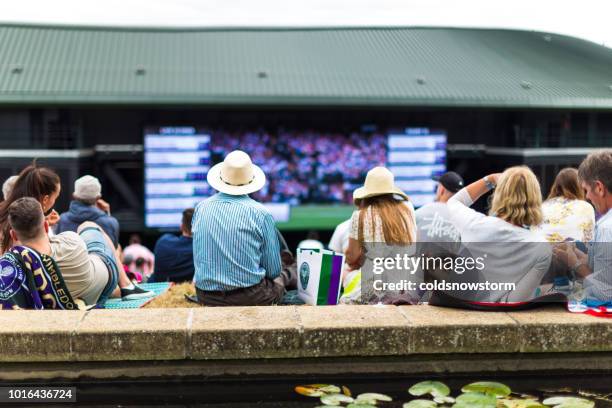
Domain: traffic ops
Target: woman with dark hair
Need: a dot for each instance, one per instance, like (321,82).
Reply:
(41,183)
(567,216)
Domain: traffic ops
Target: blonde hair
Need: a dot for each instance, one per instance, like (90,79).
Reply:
(395,216)
(517,198)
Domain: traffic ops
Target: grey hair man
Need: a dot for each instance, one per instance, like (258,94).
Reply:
(88,205)
(595,173)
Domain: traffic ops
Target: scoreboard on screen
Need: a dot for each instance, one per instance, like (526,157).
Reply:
(176,161)
(415,156)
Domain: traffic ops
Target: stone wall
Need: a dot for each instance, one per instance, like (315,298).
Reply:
(308,336)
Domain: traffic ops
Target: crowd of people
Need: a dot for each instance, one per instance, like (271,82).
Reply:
(230,248)
(528,241)
(306,167)
(78,262)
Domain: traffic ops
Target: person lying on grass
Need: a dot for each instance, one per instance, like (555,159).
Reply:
(87,260)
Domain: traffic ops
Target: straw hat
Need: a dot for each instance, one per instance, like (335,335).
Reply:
(236,175)
(378,181)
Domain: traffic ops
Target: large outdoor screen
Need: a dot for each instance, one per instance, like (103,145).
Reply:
(311,174)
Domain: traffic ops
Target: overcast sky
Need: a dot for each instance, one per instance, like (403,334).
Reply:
(589,19)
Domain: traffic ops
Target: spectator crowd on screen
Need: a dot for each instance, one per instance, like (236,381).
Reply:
(308,166)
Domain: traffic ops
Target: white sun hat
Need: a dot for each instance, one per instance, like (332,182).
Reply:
(236,175)
(378,181)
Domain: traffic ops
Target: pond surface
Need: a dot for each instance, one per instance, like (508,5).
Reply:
(275,392)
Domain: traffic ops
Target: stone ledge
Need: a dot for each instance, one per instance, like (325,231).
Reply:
(460,331)
(31,335)
(131,334)
(416,365)
(353,331)
(292,332)
(556,330)
(244,332)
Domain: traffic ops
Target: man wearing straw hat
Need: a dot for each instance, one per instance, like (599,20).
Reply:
(235,244)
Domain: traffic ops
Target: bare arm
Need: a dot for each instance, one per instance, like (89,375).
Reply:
(462,216)
(478,188)
(354,254)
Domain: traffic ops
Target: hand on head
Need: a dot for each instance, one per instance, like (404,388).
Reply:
(103,205)
(494,178)
(53,218)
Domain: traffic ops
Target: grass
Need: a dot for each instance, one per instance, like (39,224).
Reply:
(174,297)
(306,217)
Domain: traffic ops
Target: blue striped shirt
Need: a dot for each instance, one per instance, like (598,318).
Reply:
(234,243)
(599,283)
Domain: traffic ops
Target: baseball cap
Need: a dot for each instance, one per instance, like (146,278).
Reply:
(451,181)
(87,188)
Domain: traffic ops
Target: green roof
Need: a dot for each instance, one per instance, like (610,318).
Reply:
(302,66)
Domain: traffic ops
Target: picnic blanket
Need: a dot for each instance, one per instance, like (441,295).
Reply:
(291,298)
(157,288)
(590,307)
(30,280)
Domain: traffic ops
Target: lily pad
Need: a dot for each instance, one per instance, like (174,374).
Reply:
(435,388)
(475,400)
(420,403)
(520,403)
(308,392)
(444,400)
(335,399)
(372,398)
(317,390)
(347,391)
(488,387)
(569,402)
(358,405)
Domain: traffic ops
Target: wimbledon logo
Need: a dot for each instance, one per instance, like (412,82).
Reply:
(10,280)
(304,274)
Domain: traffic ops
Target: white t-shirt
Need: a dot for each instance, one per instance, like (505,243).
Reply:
(310,244)
(85,275)
(340,237)
(434,225)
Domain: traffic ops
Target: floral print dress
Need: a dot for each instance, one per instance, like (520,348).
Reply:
(566,219)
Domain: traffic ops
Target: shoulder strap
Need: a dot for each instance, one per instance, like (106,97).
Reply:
(62,293)
(46,279)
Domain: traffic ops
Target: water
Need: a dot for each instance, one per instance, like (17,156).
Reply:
(275,392)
